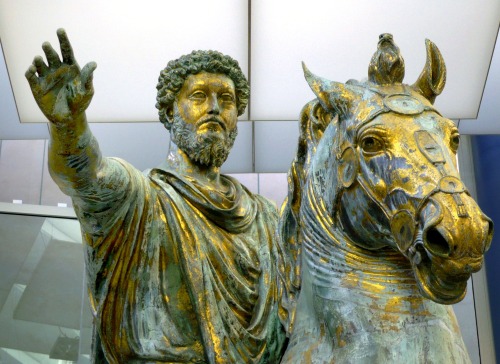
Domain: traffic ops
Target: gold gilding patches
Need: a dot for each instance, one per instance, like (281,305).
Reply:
(365,112)
(372,287)
(403,229)
(392,318)
(92,302)
(338,333)
(322,329)
(162,214)
(395,305)
(346,94)
(184,299)
(310,354)
(380,187)
(406,305)
(122,340)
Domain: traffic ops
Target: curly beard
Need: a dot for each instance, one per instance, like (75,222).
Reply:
(210,148)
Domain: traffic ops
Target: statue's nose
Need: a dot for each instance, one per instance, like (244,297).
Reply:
(449,233)
(489,233)
(214,108)
(437,242)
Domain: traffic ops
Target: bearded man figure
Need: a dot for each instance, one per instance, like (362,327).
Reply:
(182,262)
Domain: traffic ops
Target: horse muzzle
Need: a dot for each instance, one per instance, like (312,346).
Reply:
(452,237)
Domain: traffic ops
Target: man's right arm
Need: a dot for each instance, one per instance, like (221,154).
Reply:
(63,92)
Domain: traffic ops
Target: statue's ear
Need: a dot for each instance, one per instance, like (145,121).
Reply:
(335,97)
(431,81)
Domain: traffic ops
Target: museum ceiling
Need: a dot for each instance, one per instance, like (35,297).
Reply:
(131,43)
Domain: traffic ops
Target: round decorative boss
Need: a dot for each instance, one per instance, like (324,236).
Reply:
(403,104)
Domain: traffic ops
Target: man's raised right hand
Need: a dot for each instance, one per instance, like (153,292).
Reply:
(62,91)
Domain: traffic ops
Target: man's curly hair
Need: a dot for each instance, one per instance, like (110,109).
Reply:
(173,76)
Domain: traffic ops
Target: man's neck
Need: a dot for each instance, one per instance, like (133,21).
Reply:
(203,174)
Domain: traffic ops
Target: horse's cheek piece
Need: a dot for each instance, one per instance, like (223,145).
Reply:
(348,167)
(403,228)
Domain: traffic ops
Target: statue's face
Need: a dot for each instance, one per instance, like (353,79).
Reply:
(204,118)
(207,101)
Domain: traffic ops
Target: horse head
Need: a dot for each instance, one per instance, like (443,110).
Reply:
(382,161)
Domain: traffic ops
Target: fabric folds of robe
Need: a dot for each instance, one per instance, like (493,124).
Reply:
(179,272)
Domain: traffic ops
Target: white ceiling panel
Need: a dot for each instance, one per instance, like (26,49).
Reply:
(131,41)
(336,39)
(488,120)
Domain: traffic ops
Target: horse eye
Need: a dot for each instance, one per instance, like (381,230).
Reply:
(455,142)
(371,145)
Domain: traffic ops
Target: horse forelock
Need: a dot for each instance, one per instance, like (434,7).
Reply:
(374,100)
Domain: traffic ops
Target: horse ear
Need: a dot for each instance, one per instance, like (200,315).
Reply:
(431,81)
(333,96)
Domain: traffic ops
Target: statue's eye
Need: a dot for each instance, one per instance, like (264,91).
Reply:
(454,142)
(226,97)
(198,96)
(371,144)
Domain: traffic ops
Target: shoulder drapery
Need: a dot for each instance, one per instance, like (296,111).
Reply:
(234,212)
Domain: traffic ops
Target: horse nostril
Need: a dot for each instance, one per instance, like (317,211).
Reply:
(436,243)
(489,236)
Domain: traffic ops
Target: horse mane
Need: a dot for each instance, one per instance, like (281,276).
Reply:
(314,119)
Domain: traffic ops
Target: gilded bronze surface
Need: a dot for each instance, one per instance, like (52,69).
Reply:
(181,262)
(381,232)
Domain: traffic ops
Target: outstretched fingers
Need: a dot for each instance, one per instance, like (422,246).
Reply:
(33,79)
(52,56)
(87,75)
(66,48)
(40,66)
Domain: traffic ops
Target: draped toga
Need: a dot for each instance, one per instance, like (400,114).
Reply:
(179,272)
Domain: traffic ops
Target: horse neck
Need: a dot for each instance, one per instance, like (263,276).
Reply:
(359,302)
(343,274)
